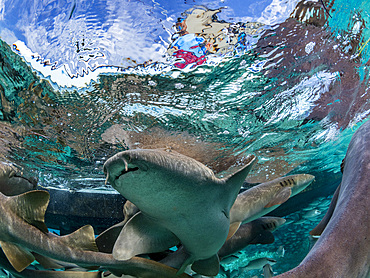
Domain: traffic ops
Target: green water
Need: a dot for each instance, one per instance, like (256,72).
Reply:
(295,109)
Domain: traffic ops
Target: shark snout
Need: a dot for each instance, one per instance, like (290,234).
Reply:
(303,180)
(114,167)
(307,179)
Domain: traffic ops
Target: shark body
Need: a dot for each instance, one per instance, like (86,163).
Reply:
(258,231)
(23,231)
(33,273)
(265,197)
(343,247)
(180,200)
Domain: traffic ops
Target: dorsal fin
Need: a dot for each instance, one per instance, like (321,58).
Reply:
(83,238)
(240,175)
(31,207)
(235,181)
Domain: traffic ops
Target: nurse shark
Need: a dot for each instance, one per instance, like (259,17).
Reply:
(258,231)
(180,200)
(265,197)
(35,273)
(23,232)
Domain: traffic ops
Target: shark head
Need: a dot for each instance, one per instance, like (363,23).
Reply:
(13,182)
(300,182)
(147,160)
(138,171)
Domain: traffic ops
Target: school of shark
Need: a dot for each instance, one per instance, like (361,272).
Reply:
(181,218)
(163,212)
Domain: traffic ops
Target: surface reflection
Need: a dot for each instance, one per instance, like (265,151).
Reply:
(286,93)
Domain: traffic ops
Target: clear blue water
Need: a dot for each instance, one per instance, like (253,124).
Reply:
(82,80)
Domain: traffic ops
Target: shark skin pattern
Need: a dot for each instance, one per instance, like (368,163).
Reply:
(180,200)
(23,231)
(343,248)
(265,197)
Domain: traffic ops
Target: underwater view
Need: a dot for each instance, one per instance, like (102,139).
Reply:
(265,89)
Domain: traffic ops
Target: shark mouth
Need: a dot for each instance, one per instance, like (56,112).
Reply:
(126,170)
(30,180)
(116,176)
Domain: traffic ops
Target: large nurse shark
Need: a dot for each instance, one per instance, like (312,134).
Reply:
(180,200)
(258,231)
(343,248)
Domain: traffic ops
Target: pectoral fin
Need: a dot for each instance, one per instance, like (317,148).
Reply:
(207,267)
(17,256)
(142,236)
(281,197)
(233,228)
(239,176)
(106,240)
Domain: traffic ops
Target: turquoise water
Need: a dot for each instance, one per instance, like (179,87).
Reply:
(292,92)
